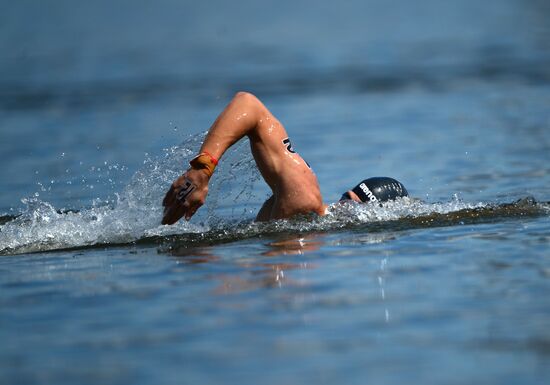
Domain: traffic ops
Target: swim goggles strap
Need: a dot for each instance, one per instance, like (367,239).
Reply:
(204,161)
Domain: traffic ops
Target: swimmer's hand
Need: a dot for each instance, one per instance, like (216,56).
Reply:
(185,196)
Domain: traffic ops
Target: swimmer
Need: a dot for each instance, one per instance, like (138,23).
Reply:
(293,184)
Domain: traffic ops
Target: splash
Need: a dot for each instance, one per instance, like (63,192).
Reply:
(236,192)
(136,212)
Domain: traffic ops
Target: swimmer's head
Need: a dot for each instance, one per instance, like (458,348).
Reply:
(377,189)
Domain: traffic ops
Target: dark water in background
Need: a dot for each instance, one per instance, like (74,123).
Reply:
(452,98)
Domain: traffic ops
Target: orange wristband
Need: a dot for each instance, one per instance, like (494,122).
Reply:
(204,161)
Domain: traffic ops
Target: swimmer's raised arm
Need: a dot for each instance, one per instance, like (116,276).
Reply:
(245,115)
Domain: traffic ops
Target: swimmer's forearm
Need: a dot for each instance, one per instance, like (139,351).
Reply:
(237,120)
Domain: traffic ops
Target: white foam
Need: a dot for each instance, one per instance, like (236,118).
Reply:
(137,212)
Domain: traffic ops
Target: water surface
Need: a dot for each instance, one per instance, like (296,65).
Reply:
(101,106)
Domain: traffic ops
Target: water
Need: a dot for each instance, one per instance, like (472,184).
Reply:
(100,106)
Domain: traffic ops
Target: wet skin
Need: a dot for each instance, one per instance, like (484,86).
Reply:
(294,186)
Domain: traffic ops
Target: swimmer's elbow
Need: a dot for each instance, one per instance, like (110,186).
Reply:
(245,97)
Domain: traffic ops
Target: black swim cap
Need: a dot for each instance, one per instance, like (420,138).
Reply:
(378,189)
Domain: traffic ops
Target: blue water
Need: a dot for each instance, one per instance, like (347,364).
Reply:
(103,103)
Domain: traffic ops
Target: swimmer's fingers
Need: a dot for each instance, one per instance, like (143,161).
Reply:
(174,201)
(193,209)
(172,214)
(170,196)
(183,208)
(178,210)
(185,196)
(193,202)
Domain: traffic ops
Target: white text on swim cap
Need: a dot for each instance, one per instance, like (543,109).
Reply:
(367,192)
